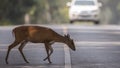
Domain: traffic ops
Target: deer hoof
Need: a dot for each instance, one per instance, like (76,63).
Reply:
(50,62)
(7,63)
(26,61)
(45,59)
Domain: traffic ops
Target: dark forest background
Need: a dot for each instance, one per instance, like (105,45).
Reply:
(13,12)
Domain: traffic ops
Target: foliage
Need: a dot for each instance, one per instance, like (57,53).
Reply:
(40,11)
(12,12)
(50,11)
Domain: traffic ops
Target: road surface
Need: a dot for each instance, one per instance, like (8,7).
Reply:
(97,47)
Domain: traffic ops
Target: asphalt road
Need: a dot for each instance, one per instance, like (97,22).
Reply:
(97,47)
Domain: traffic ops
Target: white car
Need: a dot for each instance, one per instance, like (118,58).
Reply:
(84,10)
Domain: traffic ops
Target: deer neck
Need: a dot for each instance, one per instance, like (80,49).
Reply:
(60,39)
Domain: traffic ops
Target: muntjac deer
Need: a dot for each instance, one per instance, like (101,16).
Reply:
(38,34)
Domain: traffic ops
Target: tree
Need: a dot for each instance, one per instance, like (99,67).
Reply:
(14,10)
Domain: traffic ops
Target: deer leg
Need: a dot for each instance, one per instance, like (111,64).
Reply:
(47,50)
(15,43)
(21,48)
(51,51)
(50,48)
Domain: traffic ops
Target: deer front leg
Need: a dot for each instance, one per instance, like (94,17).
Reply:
(15,43)
(21,48)
(48,48)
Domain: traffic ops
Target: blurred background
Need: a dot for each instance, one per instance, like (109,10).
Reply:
(96,46)
(17,12)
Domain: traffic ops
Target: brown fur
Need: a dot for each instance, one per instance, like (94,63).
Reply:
(38,34)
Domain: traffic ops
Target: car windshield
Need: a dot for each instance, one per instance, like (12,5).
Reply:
(83,2)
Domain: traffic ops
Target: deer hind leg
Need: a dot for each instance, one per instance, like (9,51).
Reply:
(15,43)
(48,48)
(21,48)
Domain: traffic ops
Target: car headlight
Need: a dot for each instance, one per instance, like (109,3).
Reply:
(74,13)
(95,11)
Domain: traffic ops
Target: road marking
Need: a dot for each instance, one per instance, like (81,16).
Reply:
(76,42)
(67,57)
(67,52)
(96,43)
(97,31)
(101,27)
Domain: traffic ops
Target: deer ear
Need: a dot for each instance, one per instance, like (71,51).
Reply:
(68,35)
(65,35)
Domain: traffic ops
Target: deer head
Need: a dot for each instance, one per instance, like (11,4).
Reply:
(69,42)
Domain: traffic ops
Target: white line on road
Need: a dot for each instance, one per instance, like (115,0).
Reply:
(97,31)
(86,43)
(78,42)
(97,43)
(67,52)
(67,57)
